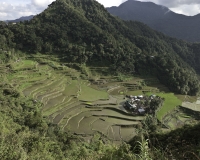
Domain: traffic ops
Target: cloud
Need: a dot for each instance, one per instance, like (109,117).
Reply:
(11,10)
(177,3)
(109,3)
(173,3)
(41,3)
(187,9)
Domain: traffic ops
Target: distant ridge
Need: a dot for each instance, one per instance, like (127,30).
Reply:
(160,18)
(21,19)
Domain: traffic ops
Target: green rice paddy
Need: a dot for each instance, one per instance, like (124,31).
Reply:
(90,94)
(170,103)
(81,107)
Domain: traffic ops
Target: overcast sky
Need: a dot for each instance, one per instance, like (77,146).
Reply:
(12,9)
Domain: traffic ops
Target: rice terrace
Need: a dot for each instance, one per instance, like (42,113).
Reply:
(88,100)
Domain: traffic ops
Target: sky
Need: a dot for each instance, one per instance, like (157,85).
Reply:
(13,9)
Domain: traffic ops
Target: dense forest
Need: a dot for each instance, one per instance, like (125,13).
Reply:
(84,32)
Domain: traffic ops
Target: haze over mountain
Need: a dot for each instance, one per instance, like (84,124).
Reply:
(160,18)
(21,19)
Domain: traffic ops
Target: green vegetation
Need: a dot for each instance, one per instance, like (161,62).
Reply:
(25,64)
(170,103)
(90,94)
(51,103)
(87,34)
(78,106)
(69,100)
(186,145)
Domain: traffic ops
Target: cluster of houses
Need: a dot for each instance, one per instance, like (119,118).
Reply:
(136,104)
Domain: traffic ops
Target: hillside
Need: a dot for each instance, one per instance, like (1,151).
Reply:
(160,18)
(26,132)
(84,32)
(68,74)
(50,110)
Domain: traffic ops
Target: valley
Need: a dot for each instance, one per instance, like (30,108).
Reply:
(90,100)
(78,83)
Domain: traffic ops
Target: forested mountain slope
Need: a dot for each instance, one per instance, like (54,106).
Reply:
(160,18)
(83,31)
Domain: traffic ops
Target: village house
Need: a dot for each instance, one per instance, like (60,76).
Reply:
(138,104)
(130,105)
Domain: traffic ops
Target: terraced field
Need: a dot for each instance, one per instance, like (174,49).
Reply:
(180,117)
(77,104)
(72,102)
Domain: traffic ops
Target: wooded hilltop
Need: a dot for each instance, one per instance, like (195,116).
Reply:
(83,31)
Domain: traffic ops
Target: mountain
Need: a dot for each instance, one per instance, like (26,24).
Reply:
(21,19)
(160,18)
(84,32)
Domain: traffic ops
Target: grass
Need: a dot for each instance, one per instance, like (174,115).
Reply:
(90,95)
(36,86)
(89,103)
(71,89)
(53,109)
(135,93)
(84,125)
(116,131)
(184,115)
(73,123)
(25,85)
(24,64)
(127,133)
(48,87)
(101,126)
(170,103)
(54,101)
(108,112)
(186,98)
(120,121)
(172,123)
